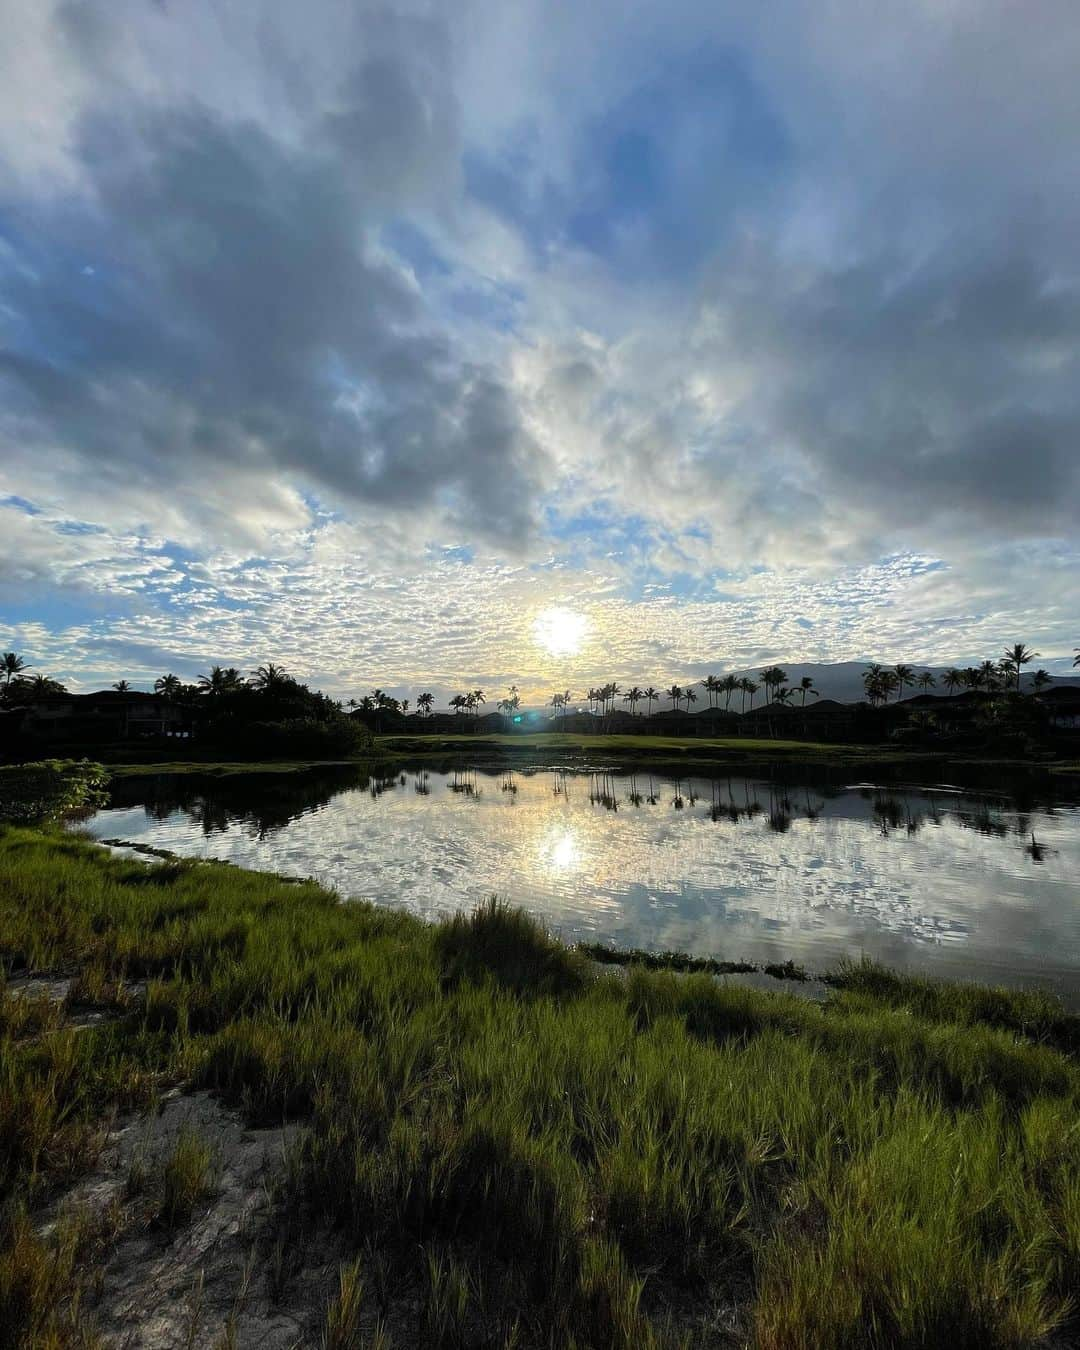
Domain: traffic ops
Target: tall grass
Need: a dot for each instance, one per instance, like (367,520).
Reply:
(546,1157)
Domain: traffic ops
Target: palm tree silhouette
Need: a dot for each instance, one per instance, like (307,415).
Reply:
(425,702)
(221,680)
(633,697)
(806,686)
(773,678)
(269,677)
(1040,680)
(1016,657)
(748,686)
(988,676)
(650,696)
(41,686)
(122,687)
(11,665)
(952,679)
(168,685)
(904,676)
(926,681)
(711,685)
(478,700)
(689,696)
(675,694)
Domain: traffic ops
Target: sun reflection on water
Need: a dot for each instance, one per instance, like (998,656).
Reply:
(560,851)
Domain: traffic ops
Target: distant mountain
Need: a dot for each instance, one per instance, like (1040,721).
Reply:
(844,682)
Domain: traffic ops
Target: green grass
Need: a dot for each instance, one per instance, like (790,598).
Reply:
(639,746)
(540,1155)
(229,768)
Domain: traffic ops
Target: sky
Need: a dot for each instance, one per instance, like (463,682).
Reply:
(385,341)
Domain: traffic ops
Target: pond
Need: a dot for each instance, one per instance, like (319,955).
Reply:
(972,883)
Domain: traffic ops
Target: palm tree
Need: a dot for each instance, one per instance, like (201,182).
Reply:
(650,696)
(675,694)
(952,679)
(1018,656)
(1040,680)
(405,707)
(167,685)
(633,696)
(904,676)
(42,686)
(458,703)
(689,696)
(873,681)
(806,686)
(773,678)
(989,675)
(425,702)
(122,687)
(748,687)
(269,677)
(219,681)
(926,681)
(11,665)
(711,685)
(478,700)
(728,685)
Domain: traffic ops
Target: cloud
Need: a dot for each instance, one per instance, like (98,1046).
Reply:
(701,317)
(241,313)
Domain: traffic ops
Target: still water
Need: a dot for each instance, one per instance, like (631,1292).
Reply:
(977,884)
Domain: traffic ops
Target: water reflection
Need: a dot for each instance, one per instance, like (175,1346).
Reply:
(981,883)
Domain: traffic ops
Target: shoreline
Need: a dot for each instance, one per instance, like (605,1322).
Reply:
(622,754)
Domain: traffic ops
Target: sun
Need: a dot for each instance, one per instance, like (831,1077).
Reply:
(560,631)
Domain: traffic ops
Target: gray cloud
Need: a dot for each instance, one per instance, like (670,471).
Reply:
(240,312)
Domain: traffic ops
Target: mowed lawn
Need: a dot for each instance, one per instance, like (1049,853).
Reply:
(537,1154)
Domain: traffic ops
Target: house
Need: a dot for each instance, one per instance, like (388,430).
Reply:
(107,715)
(1062,706)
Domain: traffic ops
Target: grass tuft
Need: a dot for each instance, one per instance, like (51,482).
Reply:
(510,947)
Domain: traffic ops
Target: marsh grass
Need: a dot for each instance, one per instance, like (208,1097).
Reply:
(548,1157)
(186,1178)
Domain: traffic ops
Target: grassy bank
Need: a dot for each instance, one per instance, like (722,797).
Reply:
(514,1151)
(640,748)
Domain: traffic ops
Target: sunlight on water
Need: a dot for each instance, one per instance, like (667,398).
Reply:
(982,886)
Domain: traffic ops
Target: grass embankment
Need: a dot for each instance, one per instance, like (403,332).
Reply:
(234,769)
(730,751)
(533,1155)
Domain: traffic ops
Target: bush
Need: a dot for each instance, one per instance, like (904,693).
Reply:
(49,788)
(295,738)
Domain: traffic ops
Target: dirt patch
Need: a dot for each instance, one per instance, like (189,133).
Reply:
(205,1282)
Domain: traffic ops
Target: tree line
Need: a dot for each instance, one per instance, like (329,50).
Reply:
(879,682)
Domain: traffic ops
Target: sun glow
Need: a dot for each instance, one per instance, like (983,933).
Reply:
(559,851)
(560,631)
